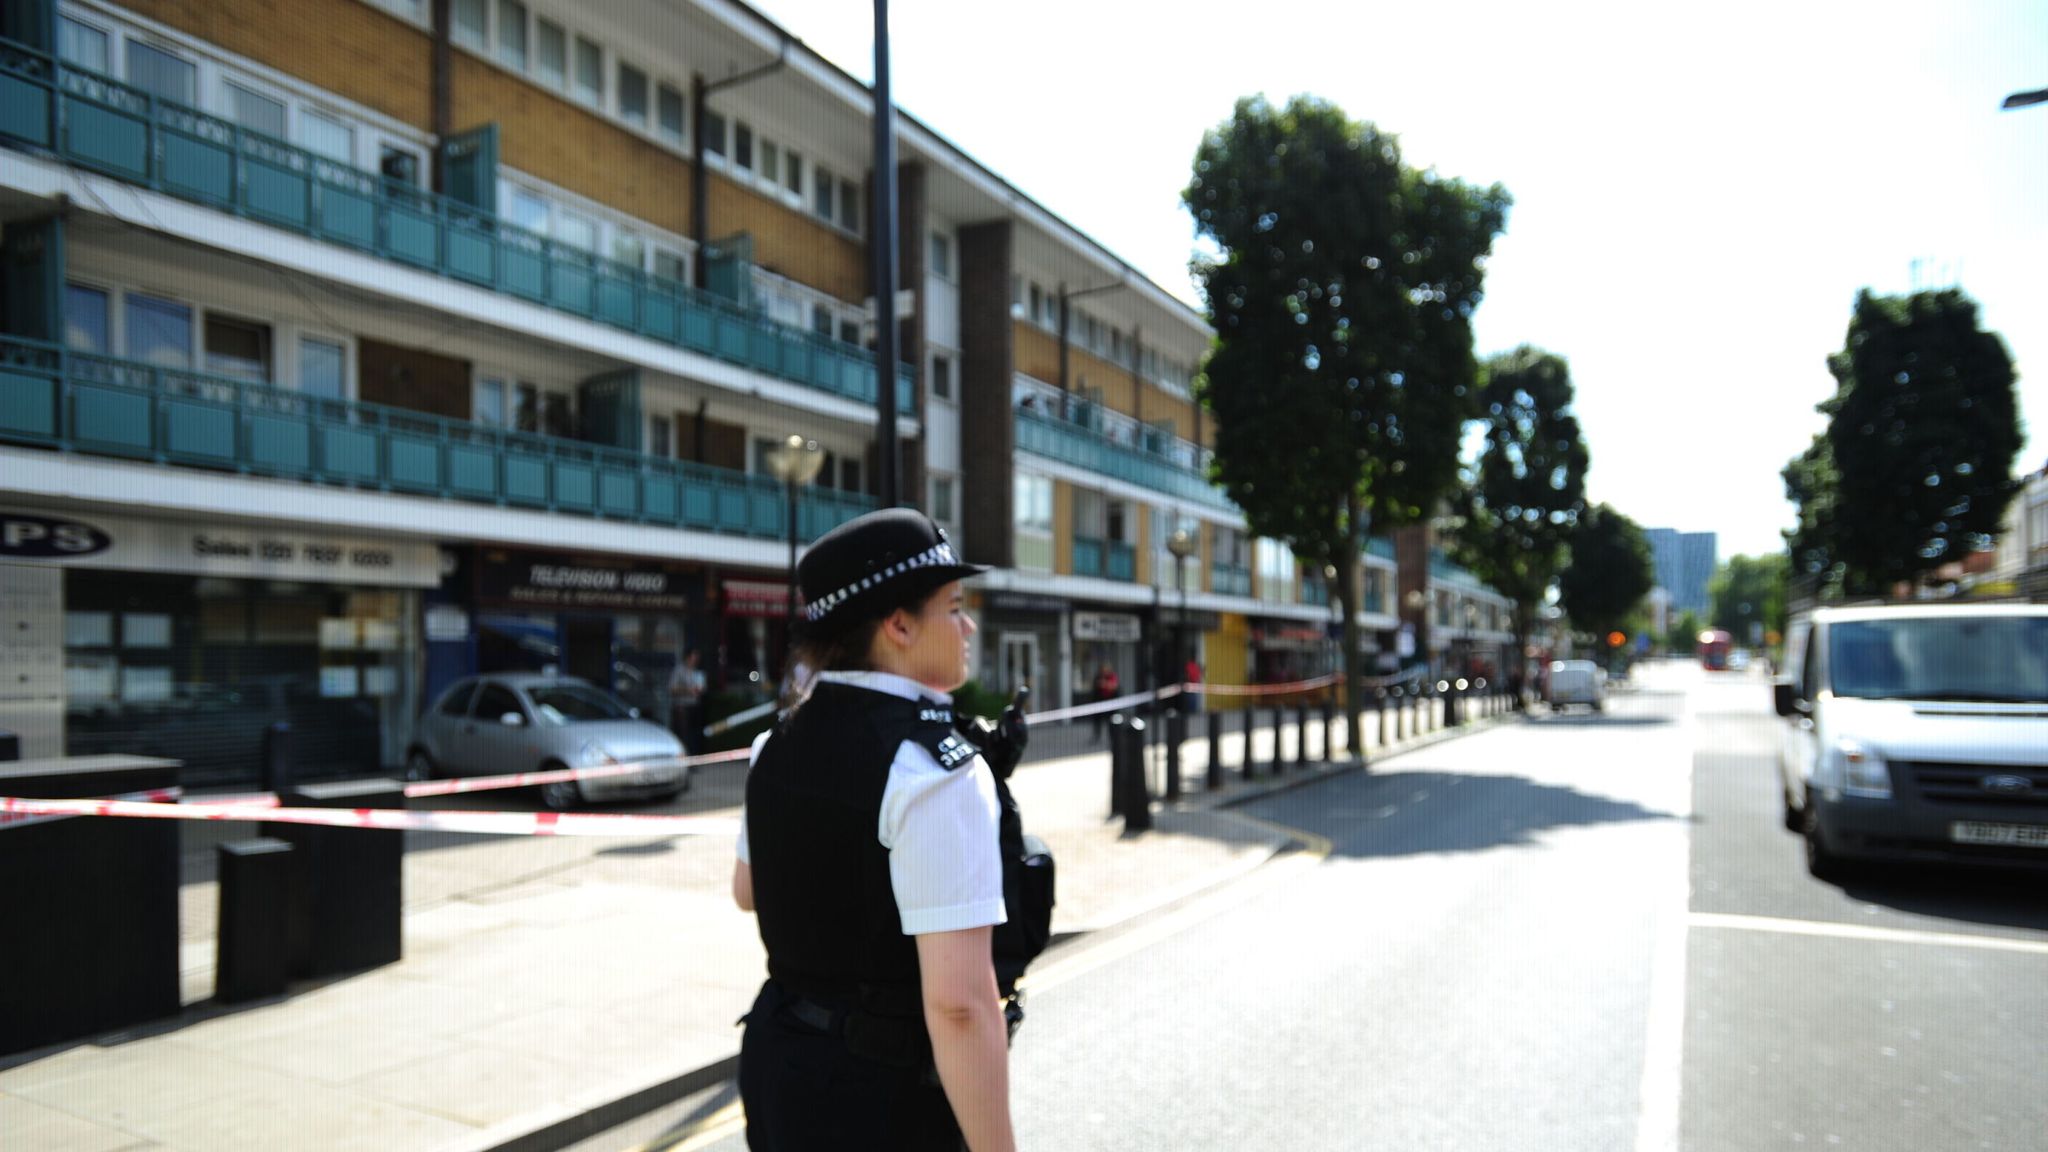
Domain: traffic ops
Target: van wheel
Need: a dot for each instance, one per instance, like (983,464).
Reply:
(1822,862)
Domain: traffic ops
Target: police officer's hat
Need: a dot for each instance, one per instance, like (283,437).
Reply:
(898,549)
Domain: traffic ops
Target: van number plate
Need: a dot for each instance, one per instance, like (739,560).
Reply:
(2012,835)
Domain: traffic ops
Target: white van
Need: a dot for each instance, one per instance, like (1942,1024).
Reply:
(1576,682)
(1917,730)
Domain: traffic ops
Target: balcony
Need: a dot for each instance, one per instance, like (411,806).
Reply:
(113,128)
(1069,443)
(1113,559)
(55,398)
(1225,580)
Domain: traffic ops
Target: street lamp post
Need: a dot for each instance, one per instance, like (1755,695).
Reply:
(795,462)
(1182,545)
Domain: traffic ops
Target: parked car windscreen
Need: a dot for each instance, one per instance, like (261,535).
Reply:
(574,704)
(1989,658)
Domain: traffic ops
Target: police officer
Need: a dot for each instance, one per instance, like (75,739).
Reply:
(870,855)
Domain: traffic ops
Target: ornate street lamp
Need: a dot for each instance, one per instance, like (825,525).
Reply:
(795,462)
(1182,544)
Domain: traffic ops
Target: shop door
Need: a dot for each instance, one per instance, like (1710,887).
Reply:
(589,649)
(1019,656)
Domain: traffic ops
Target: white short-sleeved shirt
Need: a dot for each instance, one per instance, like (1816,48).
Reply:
(939,827)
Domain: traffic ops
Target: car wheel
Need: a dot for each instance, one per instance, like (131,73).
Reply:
(1795,820)
(562,794)
(419,766)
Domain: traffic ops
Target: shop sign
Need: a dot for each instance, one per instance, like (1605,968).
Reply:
(553,580)
(765,598)
(203,549)
(1022,602)
(1112,627)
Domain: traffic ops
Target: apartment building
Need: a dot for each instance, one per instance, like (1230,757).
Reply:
(348,350)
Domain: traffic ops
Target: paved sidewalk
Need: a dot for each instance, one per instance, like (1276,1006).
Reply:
(554,987)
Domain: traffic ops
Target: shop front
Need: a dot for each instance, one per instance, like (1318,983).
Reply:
(621,623)
(1111,642)
(753,640)
(1287,650)
(192,639)
(1023,640)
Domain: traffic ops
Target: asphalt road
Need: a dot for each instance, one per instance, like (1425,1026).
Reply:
(1579,933)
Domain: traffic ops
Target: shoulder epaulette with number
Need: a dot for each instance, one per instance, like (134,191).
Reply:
(931,725)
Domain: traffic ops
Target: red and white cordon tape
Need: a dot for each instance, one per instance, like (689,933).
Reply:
(388,819)
(419,788)
(9,818)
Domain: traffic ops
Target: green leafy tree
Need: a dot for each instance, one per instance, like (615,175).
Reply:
(1341,285)
(1608,574)
(1683,634)
(1916,466)
(1524,493)
(1748,593)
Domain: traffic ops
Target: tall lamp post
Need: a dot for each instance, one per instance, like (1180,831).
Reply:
(795,462)
(1182,545)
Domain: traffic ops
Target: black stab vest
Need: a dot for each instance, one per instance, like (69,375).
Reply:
(822,895)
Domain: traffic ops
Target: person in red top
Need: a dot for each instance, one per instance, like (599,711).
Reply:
(1105,689)
(1192,675)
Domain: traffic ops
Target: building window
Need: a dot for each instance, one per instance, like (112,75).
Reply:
(528,211)
(671,266)
(468,18)
(1033,510)
(771,161)
(326,136)
(322,364)
(159,332)
(551,54)
(668,109)
(81,45)
(793,172)
(743,145)
(1037,303)
(512,34)
(589,73)
(255,111)
(576,230)
(849,332)
(399,165)
(942,377)
(942,256)
(632,96)
(942,499)
(159,73)
(85,319)
(629,249)
(849,206)
(658,437)
(488,406)
(823,183)
(714,133)
(238,348)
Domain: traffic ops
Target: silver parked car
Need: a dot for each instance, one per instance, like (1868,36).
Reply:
(500,724)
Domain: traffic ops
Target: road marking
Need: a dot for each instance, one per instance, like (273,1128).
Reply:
(1866,932)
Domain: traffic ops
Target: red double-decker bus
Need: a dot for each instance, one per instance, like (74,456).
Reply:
(1714,645)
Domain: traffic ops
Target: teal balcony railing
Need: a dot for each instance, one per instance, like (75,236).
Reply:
(57,398)
(1070,443)
(1315,592)
(1122,563)
(102,124)
(1087,556)
(1225,580)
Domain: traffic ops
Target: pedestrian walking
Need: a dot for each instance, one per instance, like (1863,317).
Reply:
(1104,688)
(686,703)
(873,854)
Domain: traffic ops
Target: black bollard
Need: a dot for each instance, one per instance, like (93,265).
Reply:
(348,883)
(1213,778)
(1137,799)
(1176,734)
(1248,764)
(252,946)
(1301,735)
(1278,763)
(1116,764)
(1329,730)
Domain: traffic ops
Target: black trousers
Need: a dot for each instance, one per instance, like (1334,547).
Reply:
(803,1090)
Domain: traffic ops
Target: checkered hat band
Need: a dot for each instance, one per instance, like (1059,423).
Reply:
(937,554)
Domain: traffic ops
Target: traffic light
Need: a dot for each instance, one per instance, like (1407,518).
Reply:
(1616,639)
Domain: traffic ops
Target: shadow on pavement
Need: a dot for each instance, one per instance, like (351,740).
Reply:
(2010,898)
(1416,813)
(1595,720)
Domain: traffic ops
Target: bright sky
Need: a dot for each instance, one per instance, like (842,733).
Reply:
(1700,189)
